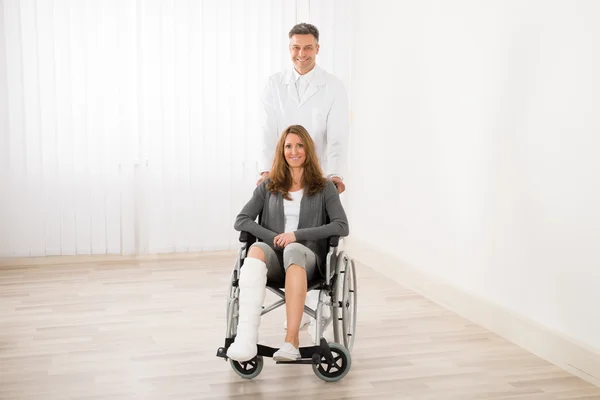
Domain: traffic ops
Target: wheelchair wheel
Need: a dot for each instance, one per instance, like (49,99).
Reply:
(340,367)
(345,307)
(248,369)
(232,309)
(349,305)
(336,308)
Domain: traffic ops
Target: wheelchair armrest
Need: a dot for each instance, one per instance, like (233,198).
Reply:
(334,241)
(246,237)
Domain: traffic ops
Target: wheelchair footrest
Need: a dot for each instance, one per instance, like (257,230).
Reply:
(308,355)
(266,351)
(221,352)
(296,362)
(305,352)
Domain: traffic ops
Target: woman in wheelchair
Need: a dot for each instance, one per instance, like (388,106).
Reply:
(293,203)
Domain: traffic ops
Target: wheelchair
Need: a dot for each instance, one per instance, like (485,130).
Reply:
(337,292)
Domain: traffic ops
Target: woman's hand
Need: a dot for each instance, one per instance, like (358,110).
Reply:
(283,239)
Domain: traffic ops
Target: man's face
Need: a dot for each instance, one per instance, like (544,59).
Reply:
(304,50)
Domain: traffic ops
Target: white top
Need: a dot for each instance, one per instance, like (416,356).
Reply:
(291,211)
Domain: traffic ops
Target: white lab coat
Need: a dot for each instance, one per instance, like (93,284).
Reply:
(323,111)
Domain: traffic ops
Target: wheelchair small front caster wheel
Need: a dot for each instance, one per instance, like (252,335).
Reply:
(248,369)
(338,369)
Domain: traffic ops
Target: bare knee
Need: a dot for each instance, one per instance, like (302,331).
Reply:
(257,252)
(295,275)
(296,269)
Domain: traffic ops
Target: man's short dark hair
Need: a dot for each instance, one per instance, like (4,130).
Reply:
(305,29)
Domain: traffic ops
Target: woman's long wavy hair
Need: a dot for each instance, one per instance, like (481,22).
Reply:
(281,175)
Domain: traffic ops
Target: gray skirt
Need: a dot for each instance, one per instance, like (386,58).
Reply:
(293,253)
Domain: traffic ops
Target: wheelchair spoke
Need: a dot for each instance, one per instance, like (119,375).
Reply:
(331,368)
(248,365)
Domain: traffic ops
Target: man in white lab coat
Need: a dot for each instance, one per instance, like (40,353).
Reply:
(307,95)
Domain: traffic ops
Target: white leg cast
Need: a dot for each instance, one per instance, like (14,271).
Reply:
(253,281)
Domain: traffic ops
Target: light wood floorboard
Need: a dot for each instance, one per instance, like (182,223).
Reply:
(150,330)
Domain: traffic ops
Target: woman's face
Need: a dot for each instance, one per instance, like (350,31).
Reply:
(293,150)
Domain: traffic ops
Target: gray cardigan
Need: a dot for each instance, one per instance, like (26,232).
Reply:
(313,231)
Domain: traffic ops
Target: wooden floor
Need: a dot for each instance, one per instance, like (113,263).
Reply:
(150,330)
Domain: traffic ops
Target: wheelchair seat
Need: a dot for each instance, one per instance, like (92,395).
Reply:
(317,282)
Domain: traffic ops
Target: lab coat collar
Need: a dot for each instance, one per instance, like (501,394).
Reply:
(317,83)
(309,75)
(289,75)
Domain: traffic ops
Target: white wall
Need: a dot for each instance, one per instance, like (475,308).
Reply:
(476,133)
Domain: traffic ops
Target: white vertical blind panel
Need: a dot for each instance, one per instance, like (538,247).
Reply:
(120,128)
(151,203)
(128,130)
(5,248)
(197,164)
(50,207)
(96,117)
(211,186)
(225,152)
(34,222)
(17,217)
(66,185)
(115,142)
(81,30)
(181,56)
(168,136)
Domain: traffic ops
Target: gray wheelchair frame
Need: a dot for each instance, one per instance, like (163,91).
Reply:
(337,291)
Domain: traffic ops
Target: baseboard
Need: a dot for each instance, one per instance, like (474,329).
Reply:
(566,353)
(104,258)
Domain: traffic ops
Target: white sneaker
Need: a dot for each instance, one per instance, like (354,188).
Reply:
(287,352)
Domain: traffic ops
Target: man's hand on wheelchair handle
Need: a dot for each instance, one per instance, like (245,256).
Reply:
(283,239)
(262,177)
(339,184)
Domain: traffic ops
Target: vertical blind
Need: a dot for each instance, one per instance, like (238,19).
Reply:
(131,126)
